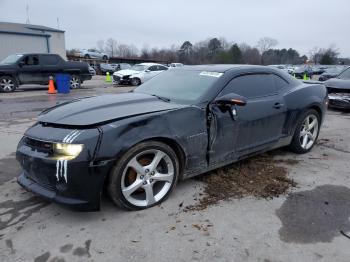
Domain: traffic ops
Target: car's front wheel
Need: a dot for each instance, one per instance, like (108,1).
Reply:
(144,176)
(75,82)
(306,132)
(135,81)
(104,57)
(7,84)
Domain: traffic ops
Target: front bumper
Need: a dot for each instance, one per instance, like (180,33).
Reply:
(26,182)
(340,101)
(77,182)
(123,80)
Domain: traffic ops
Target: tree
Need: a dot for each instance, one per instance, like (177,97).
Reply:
(236,54)
(266,43)
(214,45)
(329,56)
(111,47)
(186,47)
(250,55)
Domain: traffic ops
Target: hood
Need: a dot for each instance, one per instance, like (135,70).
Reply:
(101,109)
(7,66)
(338,83)
(126,72)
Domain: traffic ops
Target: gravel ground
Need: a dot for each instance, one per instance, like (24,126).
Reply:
(297,210)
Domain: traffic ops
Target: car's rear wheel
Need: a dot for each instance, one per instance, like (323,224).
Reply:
(75,82)
(306,132)
(7,84)
(104,57)
(135,81)
(144,176)
(86,56)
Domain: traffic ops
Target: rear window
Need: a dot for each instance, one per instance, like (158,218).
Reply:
(49,60)
(251,86)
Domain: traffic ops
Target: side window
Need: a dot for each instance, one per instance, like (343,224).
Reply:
(162,68)
(49,60)
(251,86)
(279,82)
(31,60)
(152,68)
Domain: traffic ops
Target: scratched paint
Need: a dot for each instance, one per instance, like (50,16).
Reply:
(62,165)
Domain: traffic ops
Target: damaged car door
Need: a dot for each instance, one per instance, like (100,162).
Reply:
(255,126)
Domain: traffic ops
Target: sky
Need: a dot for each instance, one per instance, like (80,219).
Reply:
(298,24)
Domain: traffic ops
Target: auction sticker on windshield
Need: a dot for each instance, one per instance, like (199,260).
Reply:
(212,74)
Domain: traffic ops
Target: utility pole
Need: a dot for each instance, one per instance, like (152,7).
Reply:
(58,23)
(27,11)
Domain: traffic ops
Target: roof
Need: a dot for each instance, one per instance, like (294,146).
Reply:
(220,68)
(149,64)
(26,29)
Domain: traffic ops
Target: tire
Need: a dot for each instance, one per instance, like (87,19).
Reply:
(75,82)
(104,57)
(298,144)
(135,81)
(149,186)
(7,84)
(87,56)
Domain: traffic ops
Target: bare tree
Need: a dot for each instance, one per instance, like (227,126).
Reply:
(111,47)
(266,43)
(100,45)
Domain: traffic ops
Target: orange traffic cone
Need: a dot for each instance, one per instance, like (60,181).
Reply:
(52,89)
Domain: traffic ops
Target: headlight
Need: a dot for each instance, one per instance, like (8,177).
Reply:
(66,151)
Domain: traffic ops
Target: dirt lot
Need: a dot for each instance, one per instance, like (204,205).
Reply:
(275,207)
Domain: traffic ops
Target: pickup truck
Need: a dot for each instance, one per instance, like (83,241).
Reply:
(21,69)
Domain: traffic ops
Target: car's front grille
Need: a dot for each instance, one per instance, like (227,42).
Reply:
(116,78)
(40,146)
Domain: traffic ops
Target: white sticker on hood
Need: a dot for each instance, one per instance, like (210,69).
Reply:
(212,74)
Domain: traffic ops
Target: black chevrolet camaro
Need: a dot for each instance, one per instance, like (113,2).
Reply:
(179,124)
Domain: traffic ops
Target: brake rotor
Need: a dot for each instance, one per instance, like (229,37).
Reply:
(132,174)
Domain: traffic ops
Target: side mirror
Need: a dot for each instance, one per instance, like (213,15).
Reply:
(231,99)
(21,63)
(147,71)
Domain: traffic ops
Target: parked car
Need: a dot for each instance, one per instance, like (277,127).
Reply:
(138,74)
(339,90)
(318,70)
(182,123)
(91,53)
(92,71)
(281,67)
(176,65)
(110,68)
(122,66)
(21,69)
(331,72)
(300,71)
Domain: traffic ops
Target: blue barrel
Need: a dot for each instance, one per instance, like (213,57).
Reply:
(63,83)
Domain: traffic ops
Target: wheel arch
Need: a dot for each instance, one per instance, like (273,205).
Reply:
(172,143)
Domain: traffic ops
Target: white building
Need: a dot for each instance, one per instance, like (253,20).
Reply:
(26,38)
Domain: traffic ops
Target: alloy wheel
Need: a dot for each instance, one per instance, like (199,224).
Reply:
(74,82)
(308,132)
(135,81)
(147,178)
(7,85)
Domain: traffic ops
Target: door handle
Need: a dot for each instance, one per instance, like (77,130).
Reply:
(278,105)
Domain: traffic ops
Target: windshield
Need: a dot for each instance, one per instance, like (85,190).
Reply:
(11,59)
(181,86)
(345,74)
(138,67)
